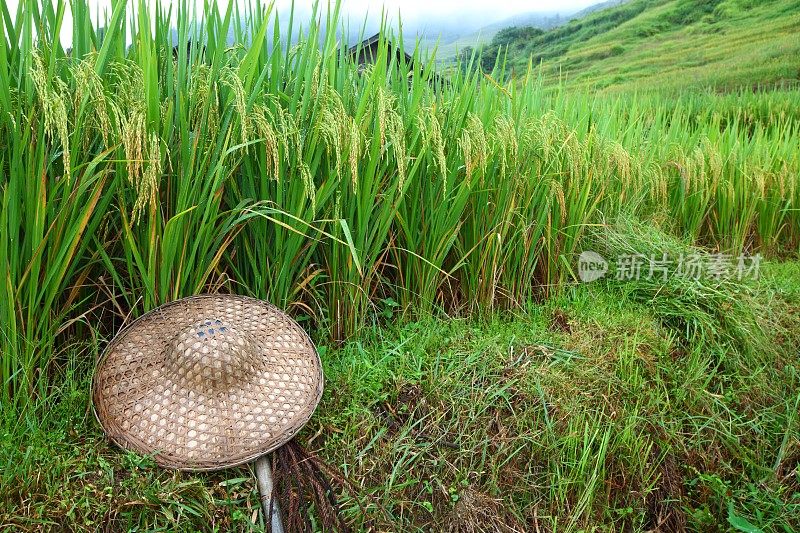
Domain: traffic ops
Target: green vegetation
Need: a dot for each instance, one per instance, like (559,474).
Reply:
(666,44)
(134,175)
(514,37)
(586,411)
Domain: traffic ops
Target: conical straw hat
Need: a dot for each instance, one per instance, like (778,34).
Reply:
(207,382)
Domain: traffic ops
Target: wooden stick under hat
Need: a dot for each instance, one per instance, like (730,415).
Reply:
(266,489)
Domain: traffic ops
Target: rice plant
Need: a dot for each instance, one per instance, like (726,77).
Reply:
(169,152)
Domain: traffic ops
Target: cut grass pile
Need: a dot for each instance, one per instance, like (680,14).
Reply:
(707,307)
(586,411)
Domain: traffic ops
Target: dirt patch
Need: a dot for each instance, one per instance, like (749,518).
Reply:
(665,503)
(397,413)
(559,322)
(476,512)
(788,472)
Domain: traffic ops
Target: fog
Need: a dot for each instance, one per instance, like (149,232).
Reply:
(426,18)
(432,18)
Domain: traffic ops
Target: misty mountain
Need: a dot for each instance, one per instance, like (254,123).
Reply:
(536,19)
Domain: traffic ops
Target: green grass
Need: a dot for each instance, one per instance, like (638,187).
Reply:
(589,411)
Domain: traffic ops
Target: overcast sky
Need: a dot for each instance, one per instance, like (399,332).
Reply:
(415,13)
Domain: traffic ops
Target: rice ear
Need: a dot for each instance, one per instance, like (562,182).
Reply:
(52,96)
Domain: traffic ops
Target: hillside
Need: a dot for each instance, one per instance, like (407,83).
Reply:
(668,43)
(597,7)
(536,19)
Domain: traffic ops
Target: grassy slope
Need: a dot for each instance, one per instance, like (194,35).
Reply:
(673,44)
(584,411)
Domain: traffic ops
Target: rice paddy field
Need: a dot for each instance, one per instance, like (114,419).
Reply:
(425,229)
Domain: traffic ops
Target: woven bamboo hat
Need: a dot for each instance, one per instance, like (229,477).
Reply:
(207,382)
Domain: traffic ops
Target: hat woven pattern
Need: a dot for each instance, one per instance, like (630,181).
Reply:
(207,382)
